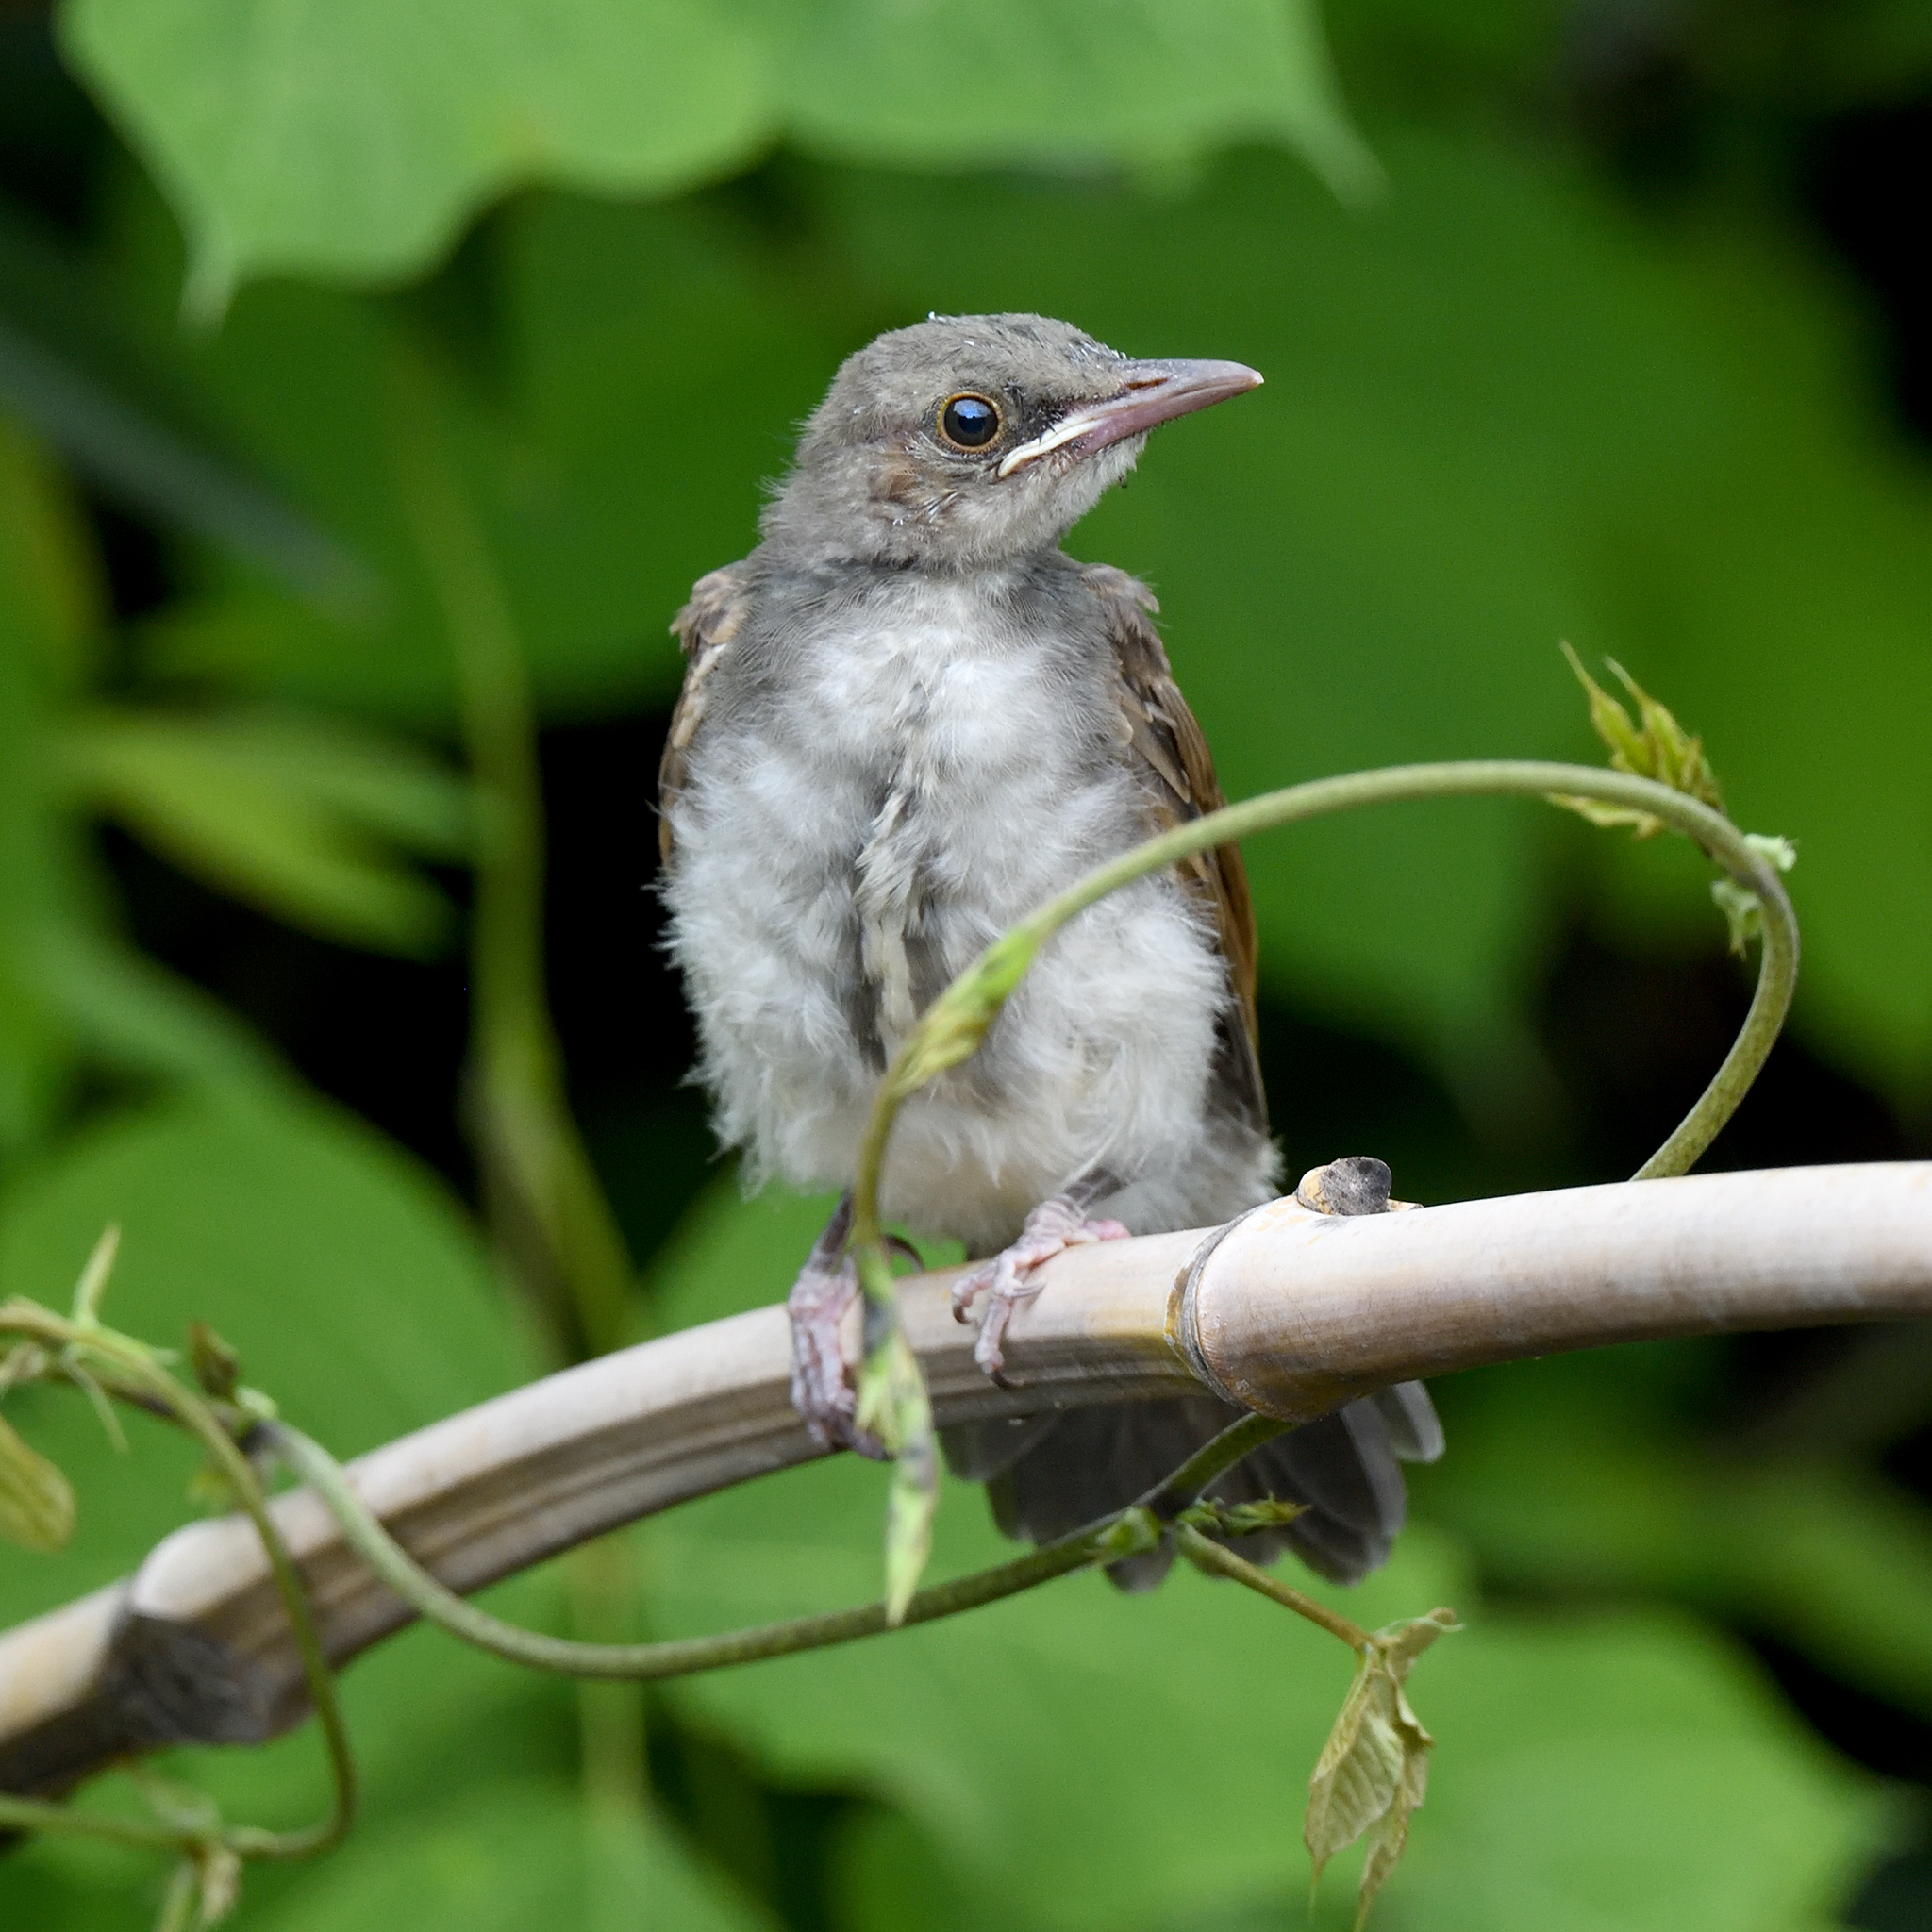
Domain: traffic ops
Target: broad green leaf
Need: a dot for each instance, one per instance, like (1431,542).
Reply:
(108,393)
(886,1874)
(36,1500)
(1169,1738)
(128,1012)
(509,1857)
(351,140)
(293,814)
(1831,1561)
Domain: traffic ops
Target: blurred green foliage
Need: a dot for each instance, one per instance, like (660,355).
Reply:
(1583,371)
(349,140)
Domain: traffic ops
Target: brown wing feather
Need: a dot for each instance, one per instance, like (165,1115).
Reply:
(1170,752)
(705,628)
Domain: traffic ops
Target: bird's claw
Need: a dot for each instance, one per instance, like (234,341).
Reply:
(1009,1278)
(821,1392)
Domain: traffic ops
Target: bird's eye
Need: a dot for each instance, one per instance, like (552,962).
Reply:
(970,422)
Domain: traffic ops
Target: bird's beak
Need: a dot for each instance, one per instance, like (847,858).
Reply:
(1154,393)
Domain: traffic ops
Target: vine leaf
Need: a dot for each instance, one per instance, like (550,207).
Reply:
(1375,1767)
(93,1284)
(951,1029)
(1660,748)
(36,1500)
(892,1399)
(1743,911)
(1652,745)
(894,1405)
(217,1368)
(219,1869)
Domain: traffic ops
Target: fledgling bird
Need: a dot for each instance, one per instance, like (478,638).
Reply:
(908,719)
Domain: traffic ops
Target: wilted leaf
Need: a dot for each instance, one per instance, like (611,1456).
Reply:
(1375,1767)
(36,1500)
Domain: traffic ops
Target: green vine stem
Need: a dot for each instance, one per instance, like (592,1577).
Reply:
(1204,1554)
(134,1369)
(952,1027)
(546,1206)
(1125,1533)
(950,1031)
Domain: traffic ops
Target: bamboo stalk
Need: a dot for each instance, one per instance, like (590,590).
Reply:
(1292,1314)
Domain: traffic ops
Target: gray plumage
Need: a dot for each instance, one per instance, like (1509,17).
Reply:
(908,719)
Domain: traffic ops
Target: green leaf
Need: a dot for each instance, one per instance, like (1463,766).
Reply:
(886,1874)
(894,1405)
(128,1012)
(292,814)
(517,1857)
(72,369)
(1833,1562)
(94,1275)
(36,1500)
(1661,750)
(1611,722)
(353,140)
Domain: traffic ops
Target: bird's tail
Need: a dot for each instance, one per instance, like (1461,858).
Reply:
(1051,1473)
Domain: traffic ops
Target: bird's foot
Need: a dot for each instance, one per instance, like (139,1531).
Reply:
(1010,1276)
(822,1296)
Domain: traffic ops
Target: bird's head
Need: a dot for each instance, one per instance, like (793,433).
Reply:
(970,439)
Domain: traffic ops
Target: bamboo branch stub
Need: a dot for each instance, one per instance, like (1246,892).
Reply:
(1292,1314)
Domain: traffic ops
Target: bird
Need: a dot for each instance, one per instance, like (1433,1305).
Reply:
(908,717)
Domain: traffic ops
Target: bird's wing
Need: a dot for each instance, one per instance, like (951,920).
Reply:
(705,628)
(1170,757)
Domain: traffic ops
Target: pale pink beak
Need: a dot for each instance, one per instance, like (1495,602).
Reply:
(1153,393)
